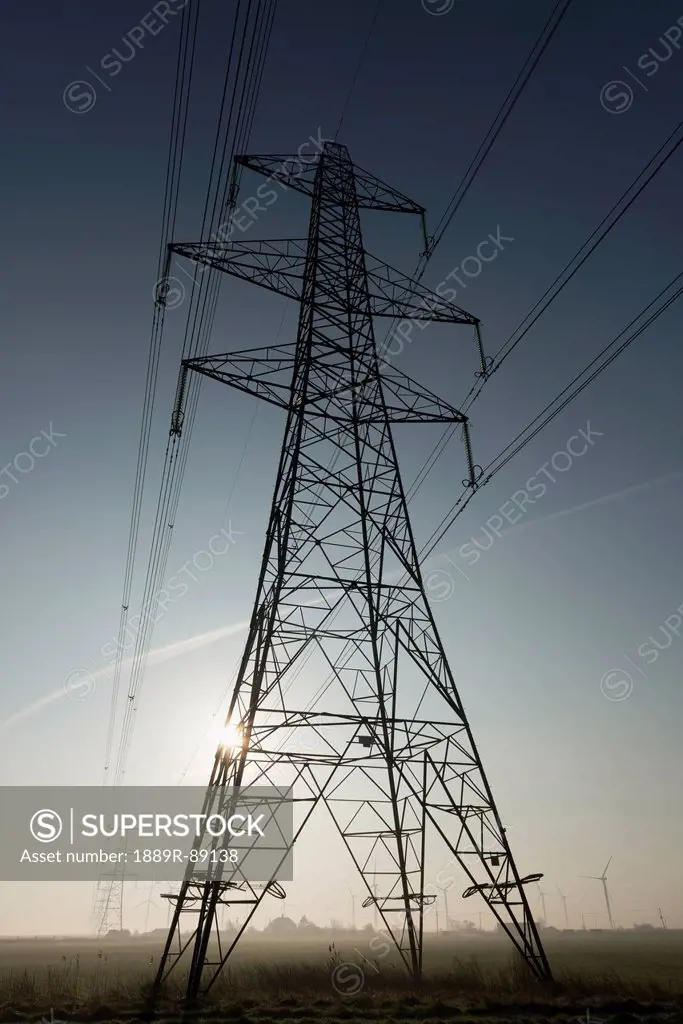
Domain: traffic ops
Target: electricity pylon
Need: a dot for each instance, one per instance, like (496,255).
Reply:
(109,902)
(386,747)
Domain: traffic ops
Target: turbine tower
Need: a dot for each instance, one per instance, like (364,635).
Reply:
(148,903)
(564,906)
(603,878)
(341,593)
(353,897)
(444,890)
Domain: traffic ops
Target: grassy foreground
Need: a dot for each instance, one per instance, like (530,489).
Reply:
(623,977)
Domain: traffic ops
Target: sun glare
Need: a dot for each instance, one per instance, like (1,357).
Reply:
(230,735)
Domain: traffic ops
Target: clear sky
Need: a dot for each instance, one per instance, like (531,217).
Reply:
(561,600)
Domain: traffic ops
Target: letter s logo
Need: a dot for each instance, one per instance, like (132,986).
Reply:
(46,826)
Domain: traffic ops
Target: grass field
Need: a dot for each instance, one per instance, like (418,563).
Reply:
(624,976)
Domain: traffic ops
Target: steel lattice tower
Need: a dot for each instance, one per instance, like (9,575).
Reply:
(387,748)
(109,903)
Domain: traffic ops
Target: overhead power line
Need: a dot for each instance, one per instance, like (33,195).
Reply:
(183,80)
(359,66)
(513,95)
(509,103)
(598,235)
(251,32)
(243,77)
(556,406)
(654,165)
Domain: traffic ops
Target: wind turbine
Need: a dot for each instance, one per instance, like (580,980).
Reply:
(543,896)
(603,878)
(564,905)
(150,902)
(353,909)
(444,890)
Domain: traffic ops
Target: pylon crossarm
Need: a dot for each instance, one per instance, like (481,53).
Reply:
(405,400)
(268,377)
(271,358)
(413,407)
(393,294)
(374,194)
(276,264)
(252,371)
(298,173)
(288,170)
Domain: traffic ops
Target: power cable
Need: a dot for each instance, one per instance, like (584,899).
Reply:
(538,49)
(359,66)
(513,95)
(184,68)
(175,460)
(597,236)
(521,440)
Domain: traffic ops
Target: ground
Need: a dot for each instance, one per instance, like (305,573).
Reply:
(599,976)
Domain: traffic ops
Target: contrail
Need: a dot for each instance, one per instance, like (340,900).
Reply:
(634,489)
(603,500)
(175,650)
(157,656)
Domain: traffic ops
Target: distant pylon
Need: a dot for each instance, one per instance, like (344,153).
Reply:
(340,590)
(109,902)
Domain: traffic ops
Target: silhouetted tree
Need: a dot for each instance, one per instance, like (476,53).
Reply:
(280,926)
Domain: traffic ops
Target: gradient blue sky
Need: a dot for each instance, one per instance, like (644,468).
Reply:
(554,604)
